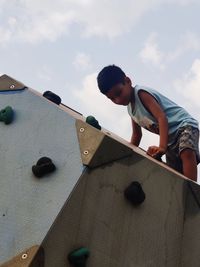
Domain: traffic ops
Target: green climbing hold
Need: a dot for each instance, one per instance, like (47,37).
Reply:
(6,115)
(78,257)
(93,122)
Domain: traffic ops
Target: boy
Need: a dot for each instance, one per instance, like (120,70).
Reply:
(179,134)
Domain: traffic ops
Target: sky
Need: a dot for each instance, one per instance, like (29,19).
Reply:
(62,45)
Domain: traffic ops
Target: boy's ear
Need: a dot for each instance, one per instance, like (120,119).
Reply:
(128,80)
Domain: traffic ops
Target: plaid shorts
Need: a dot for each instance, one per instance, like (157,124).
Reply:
(186,137)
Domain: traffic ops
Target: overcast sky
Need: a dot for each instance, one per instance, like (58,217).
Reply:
(62,45)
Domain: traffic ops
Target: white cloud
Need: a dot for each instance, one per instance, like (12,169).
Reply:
(35,21)
(45,73)
(82,61)
(184,2)
(189,85)
(188,42)
(151,53)
(47,27)
(5,36)
(112,18)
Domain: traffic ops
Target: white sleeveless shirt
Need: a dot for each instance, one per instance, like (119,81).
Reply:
(177,116)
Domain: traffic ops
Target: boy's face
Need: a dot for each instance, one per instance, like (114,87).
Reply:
(121,93)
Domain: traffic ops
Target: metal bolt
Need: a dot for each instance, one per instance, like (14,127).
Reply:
(12,86)
(82,130)
(24,256)
(86,152)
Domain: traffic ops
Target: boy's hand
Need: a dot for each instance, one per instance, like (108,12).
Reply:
(155,151)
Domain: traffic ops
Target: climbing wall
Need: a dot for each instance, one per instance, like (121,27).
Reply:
(76,213)
(29,205)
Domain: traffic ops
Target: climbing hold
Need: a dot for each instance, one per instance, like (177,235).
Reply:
(134,193)
(158,157)
(93,122)
(52,97)
(43,166)
(78,257)
(43,160)
(6,115)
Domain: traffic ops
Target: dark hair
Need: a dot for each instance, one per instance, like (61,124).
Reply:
(108,77)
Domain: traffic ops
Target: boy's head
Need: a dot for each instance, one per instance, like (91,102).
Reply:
(113,83)
(108,77)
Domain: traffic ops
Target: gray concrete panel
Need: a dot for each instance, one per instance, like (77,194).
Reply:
(28,205)
(97,216)
(191,234)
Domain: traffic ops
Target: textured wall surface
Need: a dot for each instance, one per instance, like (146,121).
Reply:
(97,216)
(28,205)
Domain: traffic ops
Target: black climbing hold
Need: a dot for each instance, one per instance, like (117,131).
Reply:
(134,193)
(52,97)
(43,160)
(158,157)
(6,115)
(78,257)
(93,122)
(43,166)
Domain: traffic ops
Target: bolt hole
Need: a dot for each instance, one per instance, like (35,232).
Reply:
(24,256)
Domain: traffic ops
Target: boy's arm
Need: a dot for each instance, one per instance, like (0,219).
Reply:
(155,109)
(136,133)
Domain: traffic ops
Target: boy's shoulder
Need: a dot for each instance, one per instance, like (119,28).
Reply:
(144,87)
(148,89)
